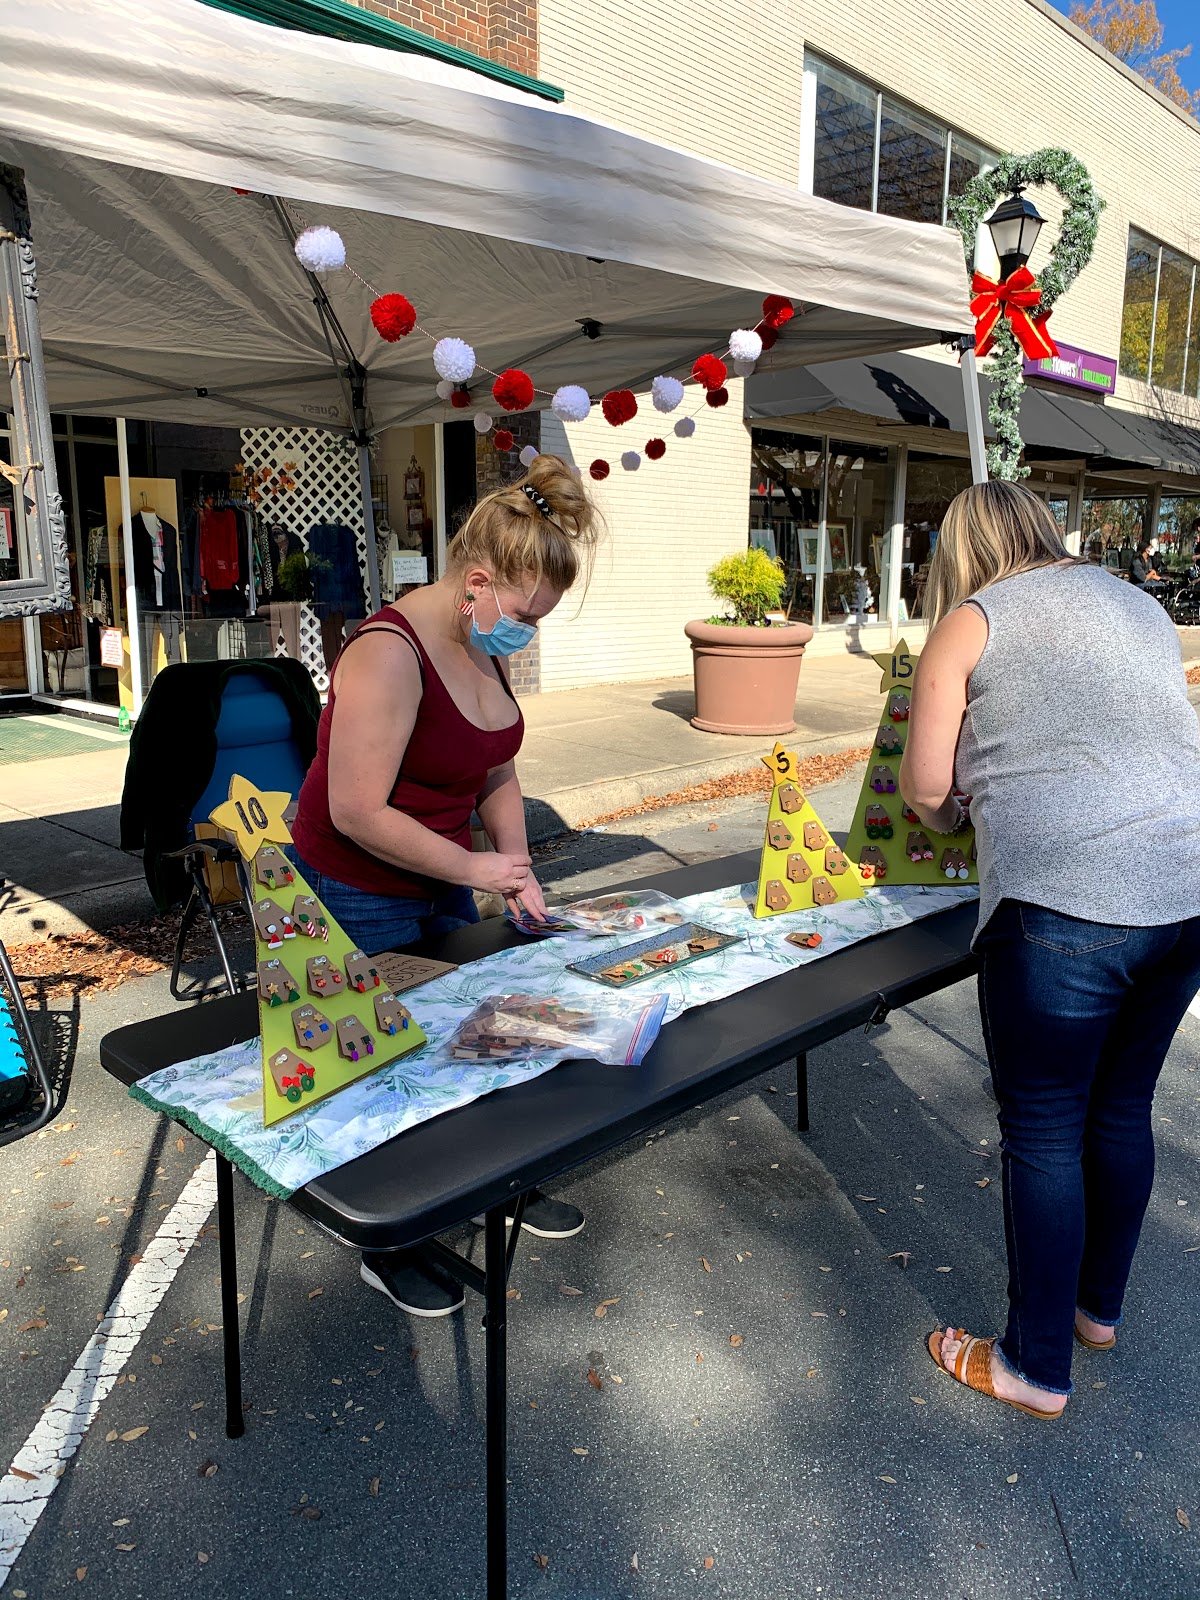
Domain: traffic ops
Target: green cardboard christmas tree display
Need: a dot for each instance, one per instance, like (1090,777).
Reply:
(888,842)
(801,865)
(326,1017)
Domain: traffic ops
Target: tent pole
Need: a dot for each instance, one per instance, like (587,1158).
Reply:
(133,620)
(364,469)
(974,409)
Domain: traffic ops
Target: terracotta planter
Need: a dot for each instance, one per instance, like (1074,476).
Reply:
(746,677)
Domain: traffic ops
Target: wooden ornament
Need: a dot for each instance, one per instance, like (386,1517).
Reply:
(954,864)
(291,1075)
(703,942)
(390,1016)
(312,1028)
(888,741)
(815,836)
(898,706)
(777,895)
(883,779)
(273,868)
(779,835)
(324,979)
(361,972)
(790,798)
(872,863)
(917,846)
(309,916)
(823,892)
(835,861)
(354,1041)
(798,869)
(276,986)
(272,924)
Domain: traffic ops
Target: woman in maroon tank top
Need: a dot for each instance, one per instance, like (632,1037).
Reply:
(421,731)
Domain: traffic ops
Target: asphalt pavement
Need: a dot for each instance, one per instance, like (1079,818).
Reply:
(753,1415)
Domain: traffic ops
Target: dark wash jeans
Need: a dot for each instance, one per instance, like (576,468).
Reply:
(1077,1017)
(378,922)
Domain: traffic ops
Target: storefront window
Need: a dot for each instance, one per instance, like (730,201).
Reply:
(932,483)
(844,156)
(858,523)
(912,164)
(1112,527)
(787,472)
(1161,319)
(1176,535)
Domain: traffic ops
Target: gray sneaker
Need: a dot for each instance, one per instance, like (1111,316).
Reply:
(412,1281)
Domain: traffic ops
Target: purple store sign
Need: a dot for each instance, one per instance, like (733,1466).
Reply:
(1081,369)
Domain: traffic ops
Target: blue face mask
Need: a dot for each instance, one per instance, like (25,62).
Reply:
(506,638)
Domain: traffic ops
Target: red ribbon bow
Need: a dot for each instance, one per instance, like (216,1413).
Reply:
(1014,298)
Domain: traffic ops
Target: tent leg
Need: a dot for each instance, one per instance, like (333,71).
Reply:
(364,469)
(970,378)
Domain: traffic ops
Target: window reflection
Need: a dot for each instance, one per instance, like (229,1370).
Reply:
(844,155)
(1160,321)
(912,164)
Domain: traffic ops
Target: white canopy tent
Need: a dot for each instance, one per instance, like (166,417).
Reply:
(547,240)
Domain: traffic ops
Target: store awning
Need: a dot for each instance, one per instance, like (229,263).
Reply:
(906,390)
(546,239)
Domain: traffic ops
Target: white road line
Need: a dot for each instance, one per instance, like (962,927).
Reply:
(38,1467)
(1194,1008)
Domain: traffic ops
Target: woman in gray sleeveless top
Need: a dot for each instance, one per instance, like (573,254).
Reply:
(1052,694)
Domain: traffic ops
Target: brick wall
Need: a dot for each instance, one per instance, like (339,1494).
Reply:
(504,31)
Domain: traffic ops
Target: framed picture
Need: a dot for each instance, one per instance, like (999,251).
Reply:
(416,516)
(810,546)
(836,548)
(6,533)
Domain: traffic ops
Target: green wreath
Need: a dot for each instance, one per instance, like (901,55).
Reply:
(1071,252)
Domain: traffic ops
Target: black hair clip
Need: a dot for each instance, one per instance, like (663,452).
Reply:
(538,499)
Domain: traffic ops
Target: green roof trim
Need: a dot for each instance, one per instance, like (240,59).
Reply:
(336,19)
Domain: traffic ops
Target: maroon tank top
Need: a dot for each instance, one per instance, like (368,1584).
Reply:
(441,776)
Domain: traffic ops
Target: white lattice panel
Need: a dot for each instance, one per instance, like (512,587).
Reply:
(328,488)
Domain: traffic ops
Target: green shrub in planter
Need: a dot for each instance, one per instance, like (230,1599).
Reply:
(752,583)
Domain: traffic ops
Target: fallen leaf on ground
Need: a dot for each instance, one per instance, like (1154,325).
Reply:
(133,1433)
(512,1294)
(709,1563)
(202,1557)
(373,1488)
(80,1574)
(34,1325)
(917,1400)
(602,1309)
(902,1256)
(19,1472)
(313,1293)
(569,1289)
(180,1146)
(704,1262)
(633,1562)
(111,1436)
(1012,1477)
(886,1478)
(121,1522)
(943,1269)
(579,1450)
(593,1377)
(207,1469)
(736,1340)
(541,1561)
(1182,1518)
(127,1547)
(869,1197)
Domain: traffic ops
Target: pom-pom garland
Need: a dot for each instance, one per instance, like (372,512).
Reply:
(503,439)
(321,250)
(599,470)
(743,369)
(710,371)
(777,309)
(461,398)
(768,335)
(394,316)
(571,403)
(618,406)
(454,359)
(656,449)
(529,455)
(666,393)
(444,389)
(483,423)
(513,389)
(685,427)
(631,461)
(745,344)
(717,397)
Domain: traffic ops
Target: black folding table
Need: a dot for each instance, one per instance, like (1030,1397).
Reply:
(485,1157)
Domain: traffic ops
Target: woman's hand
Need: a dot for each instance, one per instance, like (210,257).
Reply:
(530,899)
(496,873)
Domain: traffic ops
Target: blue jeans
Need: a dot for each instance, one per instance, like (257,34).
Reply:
(1077,1017)
(378,922)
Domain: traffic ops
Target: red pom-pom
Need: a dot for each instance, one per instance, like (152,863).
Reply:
(460,399)
(656,449)
(599,470)
(393,316)
(777,309)
(767,334)
(502,439)
(717,397)
(619,405)
(513,389)
(710,372)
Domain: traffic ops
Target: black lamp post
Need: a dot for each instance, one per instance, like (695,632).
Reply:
(1014,227)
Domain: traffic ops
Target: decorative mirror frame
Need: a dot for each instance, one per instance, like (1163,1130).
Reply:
(40,526)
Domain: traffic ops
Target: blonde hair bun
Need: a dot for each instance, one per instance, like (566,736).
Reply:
(549,534)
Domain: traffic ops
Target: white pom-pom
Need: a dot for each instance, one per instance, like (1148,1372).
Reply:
(631,460)
(321,250)
(483,423)
(745,344)
(666,393)
(528,456)
(445,389)
(571,403)
(685,427)
(454,359)
(743,369)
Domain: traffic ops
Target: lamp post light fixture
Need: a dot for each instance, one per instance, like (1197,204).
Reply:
(1014,227)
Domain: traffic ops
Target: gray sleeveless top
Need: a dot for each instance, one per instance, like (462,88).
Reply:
(1081,752)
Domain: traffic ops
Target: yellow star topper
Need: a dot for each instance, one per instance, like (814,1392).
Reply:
(253,816)
(781,764)
(898,665)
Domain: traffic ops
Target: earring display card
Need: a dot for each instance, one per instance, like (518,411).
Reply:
(648,958)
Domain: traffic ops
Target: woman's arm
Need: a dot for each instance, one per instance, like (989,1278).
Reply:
(378,692)
(939,702)
(501,809)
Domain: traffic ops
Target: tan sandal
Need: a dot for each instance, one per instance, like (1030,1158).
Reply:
(973,1367)
(1096,1344)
